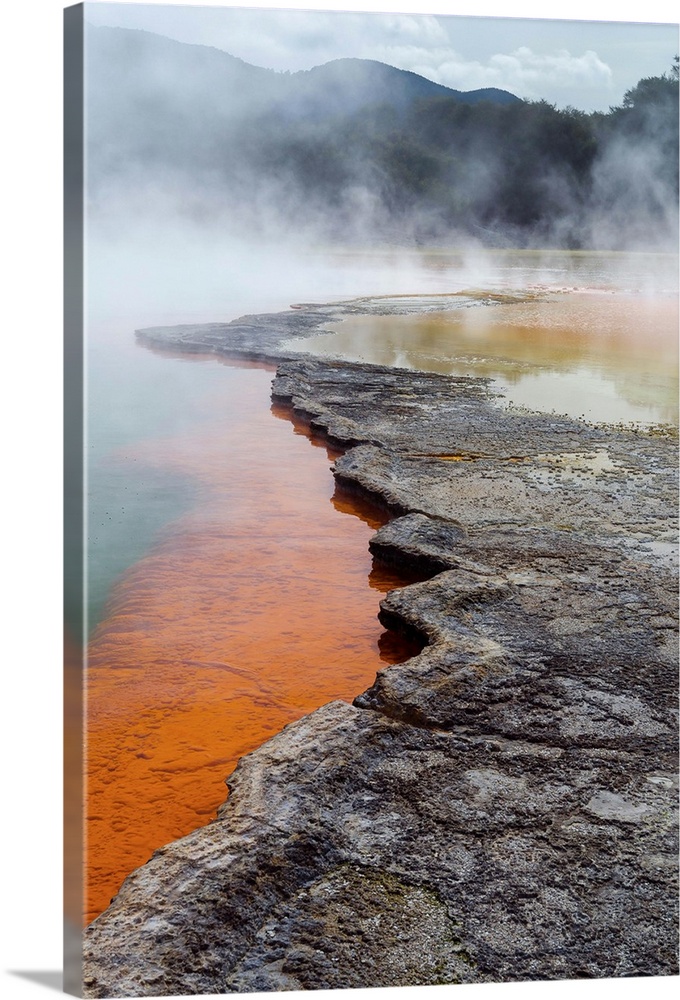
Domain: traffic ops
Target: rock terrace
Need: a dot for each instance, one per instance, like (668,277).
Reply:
(502,806)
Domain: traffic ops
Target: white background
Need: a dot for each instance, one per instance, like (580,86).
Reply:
(30,547)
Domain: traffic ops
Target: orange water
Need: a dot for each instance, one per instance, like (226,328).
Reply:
(259,603)
(255,607)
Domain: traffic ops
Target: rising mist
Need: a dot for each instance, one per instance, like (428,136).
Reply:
(360,153)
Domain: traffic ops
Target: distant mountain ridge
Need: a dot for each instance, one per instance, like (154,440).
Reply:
(352,83)
(341,86)
(359,150)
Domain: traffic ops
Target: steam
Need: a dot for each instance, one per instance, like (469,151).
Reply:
(204,174)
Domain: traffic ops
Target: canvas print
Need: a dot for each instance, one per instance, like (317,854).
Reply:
(371,499)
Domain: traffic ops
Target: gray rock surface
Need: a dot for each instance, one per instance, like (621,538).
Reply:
(264,336)
(502,806)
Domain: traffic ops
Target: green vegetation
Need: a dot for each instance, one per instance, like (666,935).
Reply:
(508,172)
(359,150)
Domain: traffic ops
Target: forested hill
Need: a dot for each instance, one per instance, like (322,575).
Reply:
(174,79)
(349,85)
(358,150)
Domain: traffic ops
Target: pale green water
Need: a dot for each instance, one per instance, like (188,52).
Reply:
(136,395)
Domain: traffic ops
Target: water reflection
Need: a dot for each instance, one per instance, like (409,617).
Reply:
(257,601)
(608,356)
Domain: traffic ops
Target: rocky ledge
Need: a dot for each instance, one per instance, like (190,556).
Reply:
(502,806)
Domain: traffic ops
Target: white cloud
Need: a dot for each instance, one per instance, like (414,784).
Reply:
(294,40)
(565,62)
(558,76)
(531,70)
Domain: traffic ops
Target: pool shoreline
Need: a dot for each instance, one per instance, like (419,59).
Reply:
(513,784)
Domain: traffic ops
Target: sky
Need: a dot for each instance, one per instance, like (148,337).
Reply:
(585,64)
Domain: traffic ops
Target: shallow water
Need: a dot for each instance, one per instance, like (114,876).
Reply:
(230,590)
(253,607)
(608,356)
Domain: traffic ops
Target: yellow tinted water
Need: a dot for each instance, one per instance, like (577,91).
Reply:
(605,355)
(259,602)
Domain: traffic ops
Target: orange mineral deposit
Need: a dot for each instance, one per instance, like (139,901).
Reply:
(252,609)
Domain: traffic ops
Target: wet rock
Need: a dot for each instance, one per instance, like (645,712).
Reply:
(266,336)
(500,807)
(543,635)
(329,934)
(360,850)
(534,653)
(257,337)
